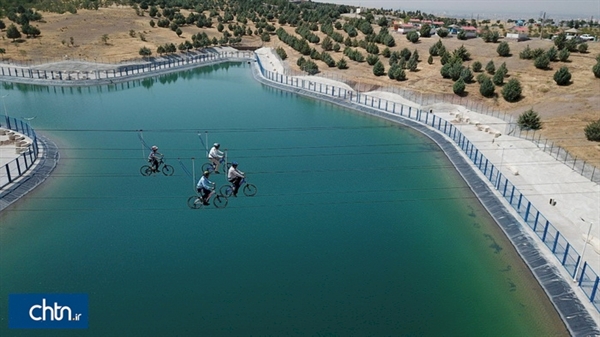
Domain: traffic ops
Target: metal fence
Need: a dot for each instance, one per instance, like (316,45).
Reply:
(17,167)
(569,258)
(123,71)
(510,127)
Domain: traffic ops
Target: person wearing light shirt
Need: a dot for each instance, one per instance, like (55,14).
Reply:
(205,187)
(235,176)
(215,156)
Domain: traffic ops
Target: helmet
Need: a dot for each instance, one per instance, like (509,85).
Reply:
(234,163)
(206,173)
(216,144)
(154,148)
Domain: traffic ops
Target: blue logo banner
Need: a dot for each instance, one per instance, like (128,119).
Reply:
(48,311)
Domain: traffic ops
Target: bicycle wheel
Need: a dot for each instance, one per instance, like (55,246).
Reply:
(168,170)
(250,190)
(207,167)
(220,201)
(226,190)
(146,170)
(194,202)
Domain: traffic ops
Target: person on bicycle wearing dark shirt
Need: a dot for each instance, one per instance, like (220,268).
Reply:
(154,158)
(205,187)
(235,176)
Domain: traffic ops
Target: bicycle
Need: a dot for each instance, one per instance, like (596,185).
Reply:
(211,168)
(166,169)
(196,201)
(248,189)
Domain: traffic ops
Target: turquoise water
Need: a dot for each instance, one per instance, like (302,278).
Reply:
(359,227)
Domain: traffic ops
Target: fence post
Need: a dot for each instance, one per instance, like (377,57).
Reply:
(564,259)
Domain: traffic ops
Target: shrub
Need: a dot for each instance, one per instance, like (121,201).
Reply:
(378,69)
(412,64)
(560,40)
(571,45)
(537,52)
(405,53)
(486,88)
(310,67)
(281,52)
(498,78)
(412,37)
(481,77)
(525,54)
(386,52)
(542,62)
(392,72)
(459,87)
(596,70)
(372,59)
(503,49)
(442,32)
(582,48)
(529,120)
(476,66)
(341,64)
(562,76)
(563,55)
(430,59)
(490,68)
(455,70)
(592,131)
(462,53)
(445,57)
(461,35)
(512,90)
(552,54)
(301,61)
(466,75)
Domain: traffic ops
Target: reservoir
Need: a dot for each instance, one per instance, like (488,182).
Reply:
(359,227)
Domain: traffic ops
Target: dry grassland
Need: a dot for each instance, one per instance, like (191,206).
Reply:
(565,111)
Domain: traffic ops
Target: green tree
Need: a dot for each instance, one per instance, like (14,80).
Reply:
(582,48)
(310,67)
(529,120)
(552,54)
(596,69)
(430,59)
(503,49)
(476,66)
(461,35)
(281,52)
(562,76)
(442,32)
(542,62)
(563,55)
(525,54)
(12,32)
(372,59)
(105,38)
(512,90)
(459,87)
(425,30)
(592,131)
(487,88)
(560,40)
(145,52)
(490,68)
(341,64)
(378,69)
(412,37)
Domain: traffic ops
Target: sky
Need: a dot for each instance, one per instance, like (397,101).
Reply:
(523,9)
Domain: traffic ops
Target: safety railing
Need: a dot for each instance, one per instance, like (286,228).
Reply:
(17,167)
(587,279)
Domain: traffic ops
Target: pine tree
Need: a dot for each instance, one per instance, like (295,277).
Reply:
(562,76)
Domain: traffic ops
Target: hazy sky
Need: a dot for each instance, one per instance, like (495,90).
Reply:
(516,8)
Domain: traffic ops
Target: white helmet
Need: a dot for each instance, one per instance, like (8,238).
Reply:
(216,144)
(154,148)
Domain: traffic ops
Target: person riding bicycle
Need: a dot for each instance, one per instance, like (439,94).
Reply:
(154,158)
(205,187)
(215,156)
(235,176)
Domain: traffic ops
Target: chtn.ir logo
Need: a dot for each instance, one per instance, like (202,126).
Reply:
(48,311)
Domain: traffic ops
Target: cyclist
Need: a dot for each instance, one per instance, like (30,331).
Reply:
(205,188)
(215,156)
(154,158)
(235,176)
